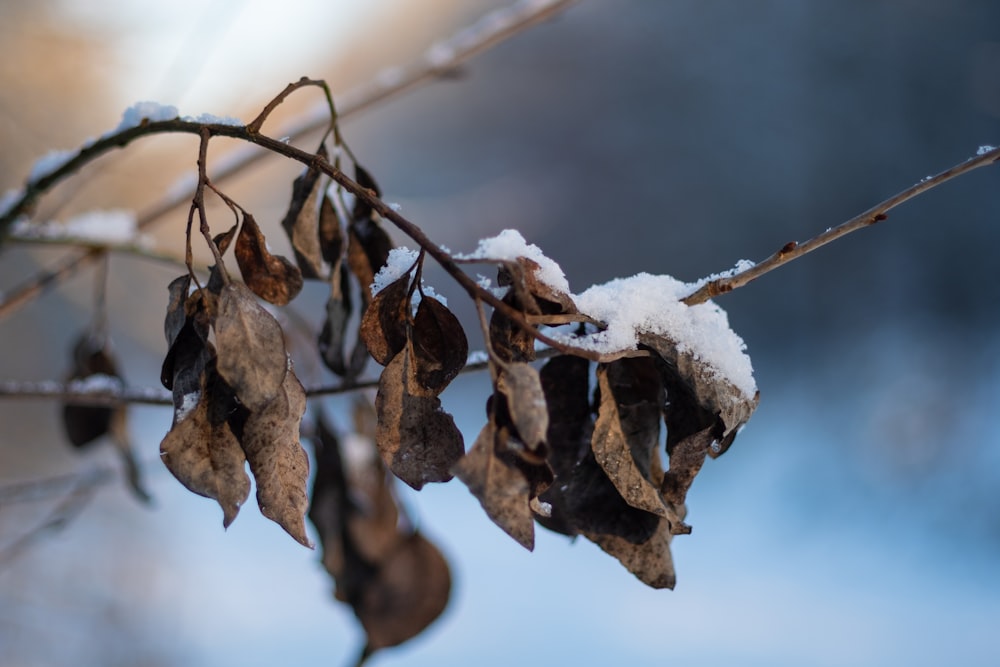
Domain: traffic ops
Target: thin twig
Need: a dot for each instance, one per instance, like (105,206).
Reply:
(873,215)
(493,29)
(61,515)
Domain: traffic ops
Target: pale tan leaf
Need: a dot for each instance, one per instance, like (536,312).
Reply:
(501,489)
(202,452)
(277,460)
(251,347)
(520,384)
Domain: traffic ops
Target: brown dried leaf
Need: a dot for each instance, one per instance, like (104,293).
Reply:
(509,341)
(409,591)
(86,423)
(201,450)
(565,382)
(417,440)
(385,321)
(698,397)
(520,385)
(251,347)
(650,560)
(277,460)
(368,247)
(363,211)
(501,488)
(440,348)
(301,222)
(331,235)
(271,277)
(223,240)
(627,430)
(176,312)
(548,299)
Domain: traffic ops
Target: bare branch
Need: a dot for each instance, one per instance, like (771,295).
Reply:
(491,30)
(875,214)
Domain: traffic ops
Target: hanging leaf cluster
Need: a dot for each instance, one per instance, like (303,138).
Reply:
(604,446)
(393,577)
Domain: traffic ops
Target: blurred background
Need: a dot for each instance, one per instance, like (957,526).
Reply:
(854,521)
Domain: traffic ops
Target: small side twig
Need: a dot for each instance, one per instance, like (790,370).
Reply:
(877,213)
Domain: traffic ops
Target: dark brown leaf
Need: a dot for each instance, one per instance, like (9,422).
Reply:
(396,581)
(627,431)
(409,591)
(385,321)
(271,277)
(277,460)
(202,451)
(509,340)
(417,440)
(223,240)
(501,489)
(565,382)
(331,235)
(368,247)
(333,336)
(91,361)
(363,210)
(251,347)
(176,313)
(440,348)
(301,222)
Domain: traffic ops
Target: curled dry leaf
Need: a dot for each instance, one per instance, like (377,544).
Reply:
(200,449)
(525,402)
(508,339)
(277,460)
(301,222)
(547,299)
(417,440)
(439,346)
(251,347)
(176,316)
(708,398)
(410,590)
(501,488)
(363,210)
(627,431)
(271,277)
(385,321)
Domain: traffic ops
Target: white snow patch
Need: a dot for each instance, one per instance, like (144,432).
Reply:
(400,261)
(983,150)
(508,245)
(188,403)
(8,199)
(49,163)
(140,111)
(652,304)
(113,227)
(209,119)
(98,383)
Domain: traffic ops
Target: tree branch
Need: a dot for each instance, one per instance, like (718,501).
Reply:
(491,30)
(877,213)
